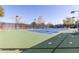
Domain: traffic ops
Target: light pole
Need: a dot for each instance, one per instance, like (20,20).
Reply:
(77,18)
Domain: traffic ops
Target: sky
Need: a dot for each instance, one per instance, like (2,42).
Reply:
(51,13)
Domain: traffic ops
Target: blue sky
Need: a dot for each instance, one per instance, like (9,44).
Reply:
(51,13)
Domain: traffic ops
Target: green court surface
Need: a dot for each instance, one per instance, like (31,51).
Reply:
(32,42)
(62,43)
(67,50)
(21,39)
(47,46)
(71,38)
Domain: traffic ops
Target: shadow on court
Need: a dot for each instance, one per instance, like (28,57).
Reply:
(62,43)
(47,46)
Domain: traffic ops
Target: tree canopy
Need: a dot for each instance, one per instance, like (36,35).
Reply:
(1,11)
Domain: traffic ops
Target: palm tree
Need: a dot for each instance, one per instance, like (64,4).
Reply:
(33,24)
(16,24)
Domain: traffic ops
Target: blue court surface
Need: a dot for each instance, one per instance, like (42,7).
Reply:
(62,43)
(47,31)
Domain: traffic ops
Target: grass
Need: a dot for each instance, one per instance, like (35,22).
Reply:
(21,39)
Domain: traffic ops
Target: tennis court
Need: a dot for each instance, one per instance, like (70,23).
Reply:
(62,43)
(34,42)
(21,39)
(48,30)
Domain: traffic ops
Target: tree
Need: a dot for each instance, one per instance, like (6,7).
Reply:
(40,20)
(50,25)
(42,25)
(1,15)
(1,11)
(69,22)
(33,24)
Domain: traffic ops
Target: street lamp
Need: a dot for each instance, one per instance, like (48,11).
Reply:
(77,18)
